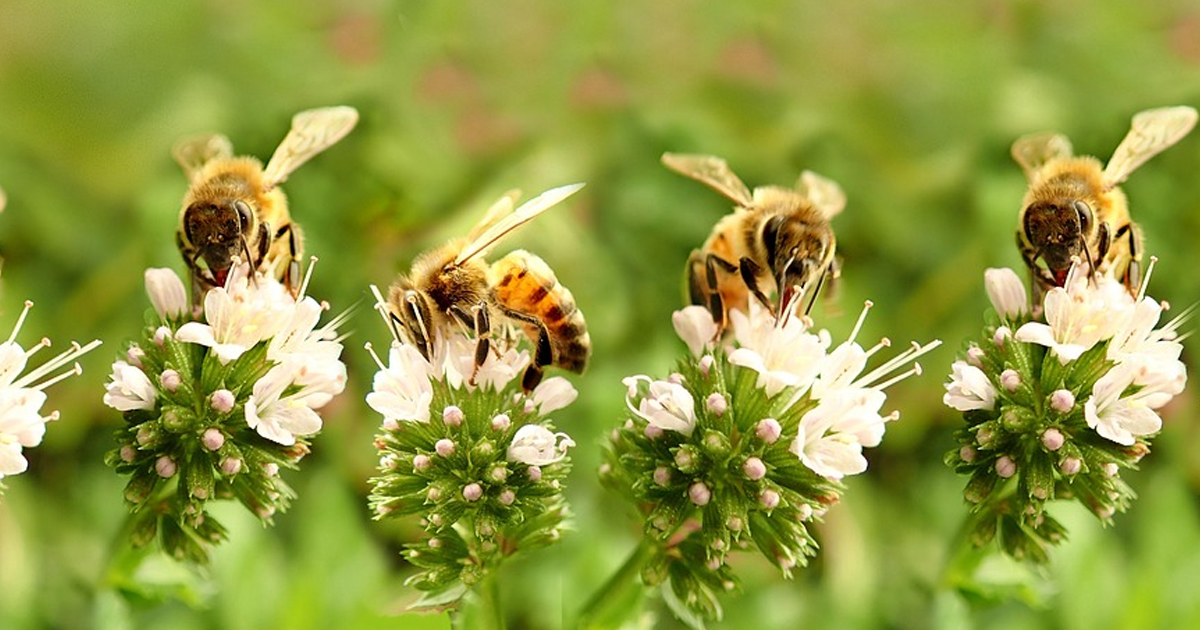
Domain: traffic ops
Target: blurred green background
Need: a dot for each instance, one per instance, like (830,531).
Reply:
(910,106)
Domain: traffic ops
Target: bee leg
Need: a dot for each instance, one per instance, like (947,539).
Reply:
(1039,277)
(413,321)
(716,304)
(750,270)
(483,333)
(1133,273)
(291,278)
(543,353)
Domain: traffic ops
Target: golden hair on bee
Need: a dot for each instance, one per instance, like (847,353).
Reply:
(777,241)
(234,208)
(1074,209)
(452,287)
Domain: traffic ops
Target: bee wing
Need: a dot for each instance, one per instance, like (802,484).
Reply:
(1034,150)
(824,193)
(711,170)
(193,152)
(500,228)
(312,132)
(502,208)
(1152,131)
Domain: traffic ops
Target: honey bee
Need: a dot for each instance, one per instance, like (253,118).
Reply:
(1073,207)
(777,240)
(234,208)
(453,285)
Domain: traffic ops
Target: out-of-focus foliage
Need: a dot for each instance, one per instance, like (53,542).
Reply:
(911,107)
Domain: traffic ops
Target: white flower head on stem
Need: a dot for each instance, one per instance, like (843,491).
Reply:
(695,326)
(536,445)
(832,435)
(240,315)
(1006,292)
(785,355)
(281,418)
(668,406)
(167,293)
(1079,315)
(402,390)
(969,388)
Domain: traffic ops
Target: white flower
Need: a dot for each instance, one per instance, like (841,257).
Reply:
(831,436)
(1137,342)
(553,394)
(282,419)
(129,388)
(298,336)
(402,390)
(840,368)
(535,445)
(695,326)
(969,388)
(240,315)
(668,406)
(166,293)
(456,356)
(21,425)
(1123,419)
(784,355)
(1007,292)
(1084,313)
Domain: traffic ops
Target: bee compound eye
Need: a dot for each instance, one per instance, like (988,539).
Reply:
(1084,212)
(243,210)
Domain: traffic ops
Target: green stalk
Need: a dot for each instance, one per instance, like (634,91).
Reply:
(610,606)
(480,607)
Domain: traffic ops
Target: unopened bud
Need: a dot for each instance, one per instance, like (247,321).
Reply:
(1010,380)
(222,401)
(452,416)
(165,467)
(1062,401)
(170,380)
(768,430)
(754,468)
(444,447)
(1006,467)
(212,439)
(699,493)
(1053,439)
(472,491)
(716,404)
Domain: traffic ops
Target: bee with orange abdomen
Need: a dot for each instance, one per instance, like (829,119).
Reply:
(1073,207)
(453,286)
(233,207)
(777,240)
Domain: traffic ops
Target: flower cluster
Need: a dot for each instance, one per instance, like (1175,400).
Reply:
(214,408)
(1055,409)
(462,446)
(745,443)
(22,424)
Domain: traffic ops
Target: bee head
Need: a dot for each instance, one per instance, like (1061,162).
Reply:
(798,252)
(219,231)
(1058,231)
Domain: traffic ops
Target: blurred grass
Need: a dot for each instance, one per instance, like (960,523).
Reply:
(911,107)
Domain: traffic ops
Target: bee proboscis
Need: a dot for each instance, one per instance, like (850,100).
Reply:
(234,208)
(777,240)
(1074,209)
(453,286)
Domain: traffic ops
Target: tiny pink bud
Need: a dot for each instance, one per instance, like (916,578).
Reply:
(162,334)
(434,494)
(676,378)
(436,519)
(805,511)
(501,422)
(706,363)
(684,459)
(170,380)
(452,416)
(984,436)
(222,401)
(231,466)
(1052,438)
(265,511)
(652,432)
(145,435)
(472,491)
(1105,512)
(1062,401)
(1040,492)
(1071,466)
(212,439)
(662,475)
(699,494)
(507,496)
(444,447)
(128,453)
(388,462)
(712,564)
(134,355)
(200,493)
(535,474)
(769,499)
(421,462)
(165,467)
(271,469)
(435,543)
(716,404)
(1002,335)
(718,545)
(754,468)
(1006,467)
(499,474)
(734,523)
(1010,380)
(1110,469)
(768,430)
(975,356)
(967,454)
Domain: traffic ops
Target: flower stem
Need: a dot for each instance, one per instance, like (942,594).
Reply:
(481,607)
(610,606)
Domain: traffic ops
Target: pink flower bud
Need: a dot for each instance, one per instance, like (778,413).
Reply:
(165,467)
(1006,467)
(652,432)
(662,475)
(768,430)
(231,466)
(128,453)
(444,447)
(472,492)
(501,422)
(1071,466)
(967,454)
(975,356)
(421,462)
(716,404)
(535,474)
(222,401)
(1053,439)
(499,474)
(212,439)
(769,499)
(271,469)
(1110,469)
(170,380)
(1062,401)
(706,363)
(699,494)
(1010,380)
(452,416)
(754,468)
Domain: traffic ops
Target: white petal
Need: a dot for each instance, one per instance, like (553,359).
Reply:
(695,326)
(166,293)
